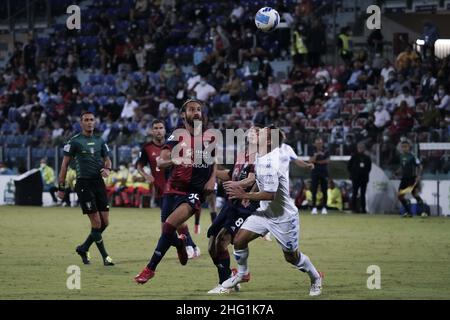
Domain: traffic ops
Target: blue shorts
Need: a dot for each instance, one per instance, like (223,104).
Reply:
(172,201)
(230,218)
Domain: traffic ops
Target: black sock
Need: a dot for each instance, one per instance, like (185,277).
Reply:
(197,219)
(406,205)
(420,206)
(213,216)
(97,236)
(88,242)
(168,238)
(222,263)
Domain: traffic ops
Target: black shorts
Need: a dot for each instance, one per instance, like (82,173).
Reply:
(172,201)
(92,195)
(230,218)
(406,182)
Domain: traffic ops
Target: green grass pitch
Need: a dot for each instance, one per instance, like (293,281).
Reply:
(38,244)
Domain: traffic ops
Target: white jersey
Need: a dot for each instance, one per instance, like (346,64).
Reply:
(273,176)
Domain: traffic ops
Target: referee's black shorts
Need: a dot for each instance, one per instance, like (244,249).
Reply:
(92,195)
(406,182)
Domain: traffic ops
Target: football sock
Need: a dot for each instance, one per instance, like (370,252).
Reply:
(88,242)
(222,262)
(420,206)
(197,218)
(305,265)
(241,257)
(405,204)
(96,234)
(167,239)
(185,230)
(213,216)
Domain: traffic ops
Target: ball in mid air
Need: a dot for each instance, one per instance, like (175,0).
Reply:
(267,19)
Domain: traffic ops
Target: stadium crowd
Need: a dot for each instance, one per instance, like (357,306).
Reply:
(142,58)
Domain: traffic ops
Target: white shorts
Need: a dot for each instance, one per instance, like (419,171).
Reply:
(285,229)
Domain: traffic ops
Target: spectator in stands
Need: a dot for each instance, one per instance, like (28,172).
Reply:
(299,50)
(334,196)
(232,87)
(129,108)
(319,175)
(4,170)
(375,41)
(48,179)
(430,35)
(317,44)
(356,77)
(29,56)
(345,45)
(332,108)
(405,60)
(442,100)
(167,70)
(403,82)
(359,167)
(203,90)
(382,116)
(140,9)
(274,88)
(427,85)
(407,97)
(386,71)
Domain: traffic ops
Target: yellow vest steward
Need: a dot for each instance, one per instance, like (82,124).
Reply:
(345,43)
(298,46)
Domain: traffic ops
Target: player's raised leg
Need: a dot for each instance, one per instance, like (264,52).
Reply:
(168,238)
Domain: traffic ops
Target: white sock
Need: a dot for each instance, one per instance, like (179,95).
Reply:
(241,257)
(305,265)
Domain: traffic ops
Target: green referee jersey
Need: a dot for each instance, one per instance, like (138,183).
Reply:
(88,153)
(408,163)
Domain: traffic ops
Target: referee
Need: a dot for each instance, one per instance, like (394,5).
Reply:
(92,163)
(319,175)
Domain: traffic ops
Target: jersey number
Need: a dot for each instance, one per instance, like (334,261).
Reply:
(239,222)
(193,196)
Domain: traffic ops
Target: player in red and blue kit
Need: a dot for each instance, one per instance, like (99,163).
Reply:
(233,213)
(193,176)
(150,154)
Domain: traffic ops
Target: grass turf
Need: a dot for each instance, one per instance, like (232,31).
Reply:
(38,244)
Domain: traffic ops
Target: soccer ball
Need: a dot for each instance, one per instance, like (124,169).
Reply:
(267,19)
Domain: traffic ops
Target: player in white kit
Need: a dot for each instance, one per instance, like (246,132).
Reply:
(277,214)
(288,155)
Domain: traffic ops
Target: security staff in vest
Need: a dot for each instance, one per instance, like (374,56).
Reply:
(359,167)
(299,50)
(345,45)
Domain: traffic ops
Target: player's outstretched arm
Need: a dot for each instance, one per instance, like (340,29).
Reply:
(62,176)
(304,164)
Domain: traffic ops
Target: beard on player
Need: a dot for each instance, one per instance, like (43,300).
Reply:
(194,120)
